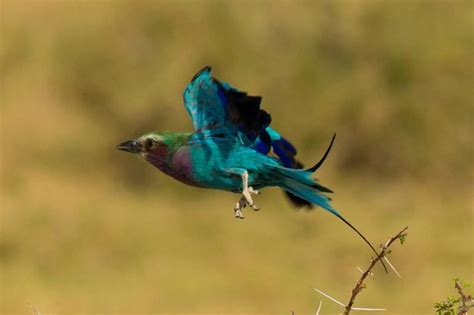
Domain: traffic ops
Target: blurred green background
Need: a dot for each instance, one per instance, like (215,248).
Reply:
(88,229)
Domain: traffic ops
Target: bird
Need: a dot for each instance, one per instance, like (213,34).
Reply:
(233,148)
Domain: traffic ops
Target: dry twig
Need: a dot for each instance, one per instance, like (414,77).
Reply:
(362,271)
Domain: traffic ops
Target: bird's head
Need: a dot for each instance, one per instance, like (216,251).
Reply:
(152,144)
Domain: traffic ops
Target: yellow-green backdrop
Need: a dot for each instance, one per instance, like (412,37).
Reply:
(88,229)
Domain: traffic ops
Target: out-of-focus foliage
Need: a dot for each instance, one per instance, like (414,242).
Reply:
(456,305)
(85,228)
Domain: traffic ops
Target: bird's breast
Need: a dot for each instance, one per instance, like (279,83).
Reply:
(181,167)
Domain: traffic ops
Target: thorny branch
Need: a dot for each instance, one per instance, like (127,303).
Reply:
(360,284)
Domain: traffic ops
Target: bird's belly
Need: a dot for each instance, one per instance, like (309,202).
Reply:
(216,179)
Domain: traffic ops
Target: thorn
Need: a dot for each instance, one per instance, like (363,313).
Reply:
(369,309)
(319,307)
(391,266)
(329,297)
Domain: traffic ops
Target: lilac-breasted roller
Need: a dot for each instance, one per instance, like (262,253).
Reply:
(232,148)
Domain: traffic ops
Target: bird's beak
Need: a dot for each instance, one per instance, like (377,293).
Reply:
(131,146)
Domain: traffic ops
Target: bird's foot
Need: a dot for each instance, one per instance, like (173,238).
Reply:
(238,208)
(246,200)
(247,196)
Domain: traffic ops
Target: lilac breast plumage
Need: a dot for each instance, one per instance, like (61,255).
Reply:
(182,167)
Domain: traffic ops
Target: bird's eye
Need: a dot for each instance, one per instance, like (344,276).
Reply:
(149,144)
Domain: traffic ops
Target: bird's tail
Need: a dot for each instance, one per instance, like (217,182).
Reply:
(295,200)
(297,173)
(301,184)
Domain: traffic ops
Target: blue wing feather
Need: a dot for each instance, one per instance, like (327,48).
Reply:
(203,103)
(217,106)
(270,141)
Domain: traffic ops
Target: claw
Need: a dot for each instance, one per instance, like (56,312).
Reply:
(255,208)
(247,194)
(239,214)
(253,191)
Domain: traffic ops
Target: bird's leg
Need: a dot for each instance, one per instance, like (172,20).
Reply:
(248,191)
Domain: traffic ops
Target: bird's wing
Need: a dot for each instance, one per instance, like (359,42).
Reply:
(215,106)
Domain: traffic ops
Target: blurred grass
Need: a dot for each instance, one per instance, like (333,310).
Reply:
(86,229)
